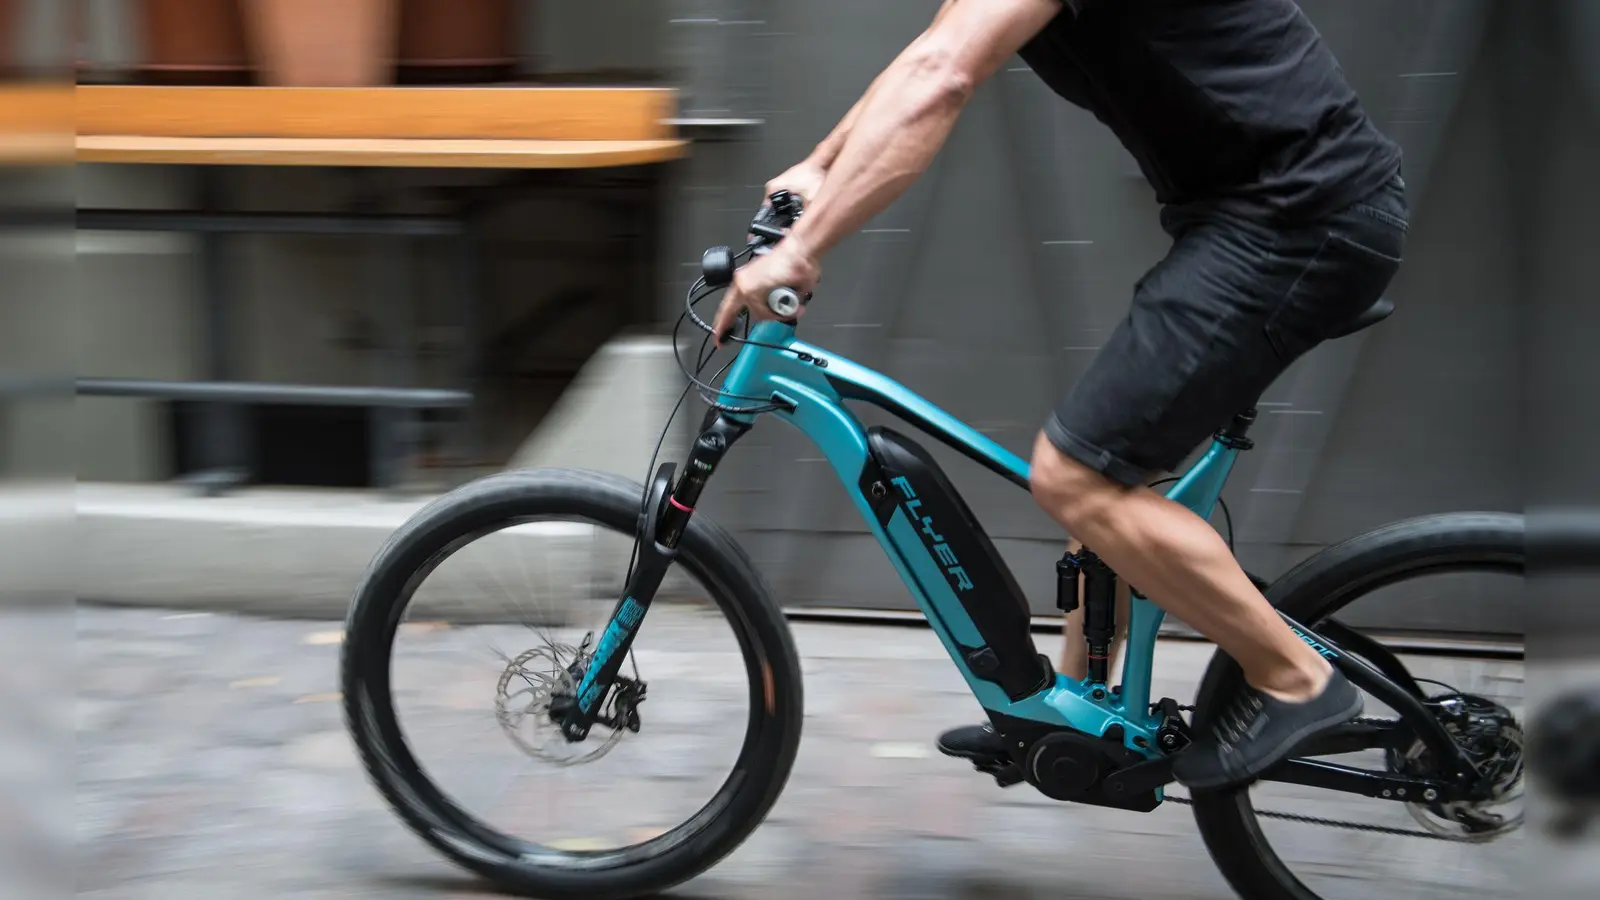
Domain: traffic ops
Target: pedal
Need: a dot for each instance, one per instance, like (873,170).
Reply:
(1006,773)
(1008,776)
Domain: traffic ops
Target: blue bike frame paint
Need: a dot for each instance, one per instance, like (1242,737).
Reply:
(618,630)
(814,384)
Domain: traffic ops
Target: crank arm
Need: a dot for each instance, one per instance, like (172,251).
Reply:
(1141,778)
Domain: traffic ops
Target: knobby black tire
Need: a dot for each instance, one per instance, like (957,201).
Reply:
(706,552)
(1309,593)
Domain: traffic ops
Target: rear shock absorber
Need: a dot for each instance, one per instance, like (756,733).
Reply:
(1099,585)
(1099,616)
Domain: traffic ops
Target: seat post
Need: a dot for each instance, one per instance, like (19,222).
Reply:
(1237,433)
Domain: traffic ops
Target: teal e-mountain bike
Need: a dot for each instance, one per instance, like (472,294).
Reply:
(1452,758)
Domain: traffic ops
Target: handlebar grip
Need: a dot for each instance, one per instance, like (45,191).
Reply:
(784,302)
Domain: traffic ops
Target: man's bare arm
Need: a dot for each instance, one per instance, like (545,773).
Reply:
(910,110)
(887,141)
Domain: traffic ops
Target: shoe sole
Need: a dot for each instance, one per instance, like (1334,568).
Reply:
(972,755)
(1279,753)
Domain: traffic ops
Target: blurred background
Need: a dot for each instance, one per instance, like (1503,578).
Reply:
(246,332)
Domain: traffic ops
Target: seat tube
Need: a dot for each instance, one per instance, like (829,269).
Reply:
(1198,490)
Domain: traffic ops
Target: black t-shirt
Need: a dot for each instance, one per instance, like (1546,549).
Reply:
(1234,101)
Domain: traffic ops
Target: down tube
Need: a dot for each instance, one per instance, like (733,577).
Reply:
(1198,490)
(841,438)
(843,441)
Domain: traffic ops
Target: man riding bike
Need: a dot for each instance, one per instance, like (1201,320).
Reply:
(1288,220)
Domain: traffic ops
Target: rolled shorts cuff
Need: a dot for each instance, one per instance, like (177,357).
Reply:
(1105,462)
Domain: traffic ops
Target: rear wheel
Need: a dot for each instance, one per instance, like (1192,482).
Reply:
(484,675)
(1265,838)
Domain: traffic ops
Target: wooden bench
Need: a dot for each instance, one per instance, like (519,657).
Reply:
(513,128)
(35,125)
(499,127)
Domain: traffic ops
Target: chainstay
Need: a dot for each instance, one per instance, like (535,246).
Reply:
(1331,823)
(1359,720)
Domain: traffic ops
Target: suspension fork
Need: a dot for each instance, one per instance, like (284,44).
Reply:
(667,510)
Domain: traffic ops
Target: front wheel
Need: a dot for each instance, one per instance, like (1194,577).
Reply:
(1266,837)
(552,547)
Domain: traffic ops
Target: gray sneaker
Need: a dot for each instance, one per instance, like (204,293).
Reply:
(1259,731)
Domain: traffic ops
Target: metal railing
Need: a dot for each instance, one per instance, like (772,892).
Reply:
(395,408)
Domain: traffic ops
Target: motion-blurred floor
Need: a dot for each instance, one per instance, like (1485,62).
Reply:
(212,762)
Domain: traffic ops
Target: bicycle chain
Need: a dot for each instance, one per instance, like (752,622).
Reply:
(1330,823)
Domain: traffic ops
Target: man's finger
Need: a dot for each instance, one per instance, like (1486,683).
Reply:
(727,313)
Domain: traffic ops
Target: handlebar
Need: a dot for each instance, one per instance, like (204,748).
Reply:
(770,225)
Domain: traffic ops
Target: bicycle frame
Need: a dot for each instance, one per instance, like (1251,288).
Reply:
(813,385)
(966,590)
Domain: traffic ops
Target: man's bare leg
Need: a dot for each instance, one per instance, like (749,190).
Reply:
(1180,562)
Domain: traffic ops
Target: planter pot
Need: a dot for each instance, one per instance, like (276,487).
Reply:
(323,43)
(457,41)
(193,42)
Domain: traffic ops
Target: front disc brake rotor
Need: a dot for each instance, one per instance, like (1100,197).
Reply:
(527,687)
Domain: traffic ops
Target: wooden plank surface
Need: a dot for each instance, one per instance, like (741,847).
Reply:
(463,113)
(35,124)
(372,152)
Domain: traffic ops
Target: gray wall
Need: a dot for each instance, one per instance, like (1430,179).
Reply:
(957,292)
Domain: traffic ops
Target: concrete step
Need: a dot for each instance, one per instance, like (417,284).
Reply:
(302,553)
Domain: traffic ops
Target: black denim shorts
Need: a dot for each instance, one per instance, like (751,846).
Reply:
(1216,322)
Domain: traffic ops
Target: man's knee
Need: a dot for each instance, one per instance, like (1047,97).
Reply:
(1074,494)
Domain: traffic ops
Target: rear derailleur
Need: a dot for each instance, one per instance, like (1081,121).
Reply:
(1492,740)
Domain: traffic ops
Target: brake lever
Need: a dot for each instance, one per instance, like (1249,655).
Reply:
(761,229)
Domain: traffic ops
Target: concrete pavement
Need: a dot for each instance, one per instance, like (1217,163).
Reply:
(212,763)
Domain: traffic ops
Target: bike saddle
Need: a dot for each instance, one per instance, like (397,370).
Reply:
(1375,313)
